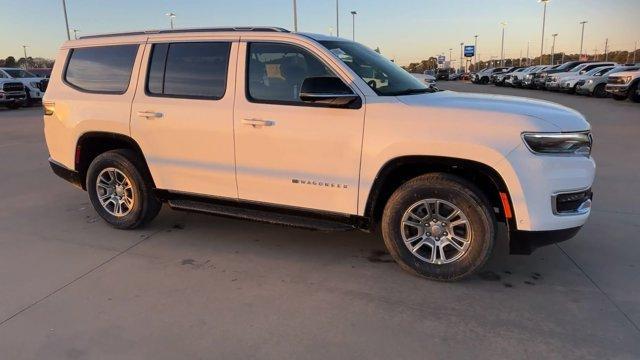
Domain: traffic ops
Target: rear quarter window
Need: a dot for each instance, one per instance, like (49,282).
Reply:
(101,69)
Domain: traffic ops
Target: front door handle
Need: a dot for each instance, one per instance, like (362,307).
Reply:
(150,114)
(258,122)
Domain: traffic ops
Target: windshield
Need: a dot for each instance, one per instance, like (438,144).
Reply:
(598,71)
(382,75)
(18,73)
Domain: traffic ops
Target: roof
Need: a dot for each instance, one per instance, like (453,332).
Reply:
(192,30)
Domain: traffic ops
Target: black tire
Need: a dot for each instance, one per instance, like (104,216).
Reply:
(600,91)
(29,101)
(633,93)
(462,194)
(146,205)
(618,97)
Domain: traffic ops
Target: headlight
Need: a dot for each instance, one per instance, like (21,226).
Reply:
(625,79)
(589,82)
(559,143)
(528,76)
(34,84)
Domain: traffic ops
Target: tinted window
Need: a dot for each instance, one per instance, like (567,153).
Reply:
(276,71)
(192,70)
(101,69)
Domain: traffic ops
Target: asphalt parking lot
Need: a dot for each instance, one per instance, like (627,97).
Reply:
(193,286)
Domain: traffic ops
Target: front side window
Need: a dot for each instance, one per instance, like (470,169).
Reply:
(189,70)
(105,69)
(275,71)
(382,75)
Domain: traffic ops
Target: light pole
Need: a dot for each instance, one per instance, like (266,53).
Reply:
(553,46)
(544,17)
(475,53)
(461,65)
(450,57)
(295,16)
(171,16)
(635,49)
(24,48)
(606,49)
(582,37)
(528,63)
(504,24)
(337,18)
(66,19)
(75,33)
(353,24)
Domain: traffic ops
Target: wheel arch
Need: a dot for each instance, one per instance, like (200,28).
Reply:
(92,144)
(399,170)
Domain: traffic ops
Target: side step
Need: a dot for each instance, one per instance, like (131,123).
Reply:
(272,217)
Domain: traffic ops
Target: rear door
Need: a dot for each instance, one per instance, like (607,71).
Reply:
(182,114)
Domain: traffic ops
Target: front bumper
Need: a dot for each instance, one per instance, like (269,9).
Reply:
(584,90)
(552,85)
(617,89)
(11,97)
(65,173)
(535,181)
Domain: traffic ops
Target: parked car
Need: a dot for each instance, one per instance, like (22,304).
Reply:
(12,93)
(516,78)
(429,80)
(540,78)
(33,84)
(529,80)
(484,76)
(443,74)
(552,81)
(595,85)
(498,78)
(624,85)
(509,78)
(568,84)
(269,125)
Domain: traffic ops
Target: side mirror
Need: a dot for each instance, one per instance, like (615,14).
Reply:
(329,91)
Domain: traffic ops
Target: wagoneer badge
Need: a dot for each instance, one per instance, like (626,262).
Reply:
(319,183)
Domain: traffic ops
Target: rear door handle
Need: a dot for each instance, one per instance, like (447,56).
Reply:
(150,114)
(258,122)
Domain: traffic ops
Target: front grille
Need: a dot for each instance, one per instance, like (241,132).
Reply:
(615,80)
(580,83)
(572,203)
(12,86)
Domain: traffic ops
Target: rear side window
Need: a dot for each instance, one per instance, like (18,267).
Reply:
(103,69)
(189,70)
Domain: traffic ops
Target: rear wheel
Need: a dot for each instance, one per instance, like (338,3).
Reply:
(120,191)
(439,226)
(600,91)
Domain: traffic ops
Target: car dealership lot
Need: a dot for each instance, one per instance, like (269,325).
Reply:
(197,286)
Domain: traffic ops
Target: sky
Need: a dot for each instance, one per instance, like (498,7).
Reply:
(405,30)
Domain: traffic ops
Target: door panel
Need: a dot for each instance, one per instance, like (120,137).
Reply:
(287,152)
(183,119)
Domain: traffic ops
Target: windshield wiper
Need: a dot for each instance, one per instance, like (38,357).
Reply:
(411,92)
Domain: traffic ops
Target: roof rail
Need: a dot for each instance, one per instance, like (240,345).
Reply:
(192,30)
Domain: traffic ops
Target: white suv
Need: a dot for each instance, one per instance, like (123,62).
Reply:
(264,124)
(32,83)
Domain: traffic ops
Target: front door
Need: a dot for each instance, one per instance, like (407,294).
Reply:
(288,152)
(182,114)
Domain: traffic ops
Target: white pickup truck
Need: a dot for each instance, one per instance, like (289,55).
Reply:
(290,128)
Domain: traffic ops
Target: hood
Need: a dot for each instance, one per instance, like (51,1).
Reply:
(562,117)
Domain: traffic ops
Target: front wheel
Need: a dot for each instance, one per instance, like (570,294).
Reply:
(120,190)
(600,91)
(439,226)
(633,93)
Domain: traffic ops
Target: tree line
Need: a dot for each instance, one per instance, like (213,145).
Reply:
(31,62)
